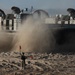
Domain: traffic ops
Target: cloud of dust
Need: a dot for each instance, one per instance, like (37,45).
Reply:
(34,36)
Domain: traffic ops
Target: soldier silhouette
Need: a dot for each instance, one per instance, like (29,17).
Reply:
(23,58)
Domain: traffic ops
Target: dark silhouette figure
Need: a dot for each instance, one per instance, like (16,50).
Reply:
(23,58)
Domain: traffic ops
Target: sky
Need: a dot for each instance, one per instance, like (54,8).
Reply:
(42,4)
